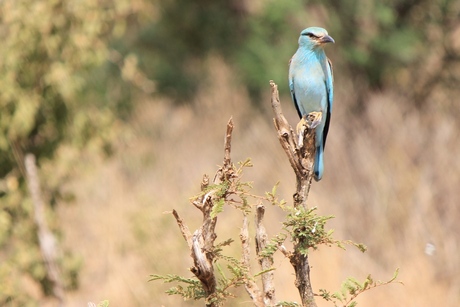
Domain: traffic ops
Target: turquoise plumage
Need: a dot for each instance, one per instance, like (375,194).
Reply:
(312,85)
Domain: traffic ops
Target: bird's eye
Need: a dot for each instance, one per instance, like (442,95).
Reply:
(310,35)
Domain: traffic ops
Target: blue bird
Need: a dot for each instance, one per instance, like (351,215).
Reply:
(311,84)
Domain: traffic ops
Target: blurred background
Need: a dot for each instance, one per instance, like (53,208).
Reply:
(124,104)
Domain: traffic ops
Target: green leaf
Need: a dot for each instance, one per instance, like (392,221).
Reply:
(104,303)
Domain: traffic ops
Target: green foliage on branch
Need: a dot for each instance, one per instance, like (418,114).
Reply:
(188,288)
(307,229)
(351,288)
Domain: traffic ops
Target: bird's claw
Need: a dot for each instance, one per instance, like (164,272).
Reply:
(310,121)
(314,119)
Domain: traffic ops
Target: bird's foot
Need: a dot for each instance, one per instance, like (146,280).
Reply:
(314,119)
(310,121)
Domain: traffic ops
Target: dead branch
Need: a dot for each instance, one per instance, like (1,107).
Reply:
(201,243)
(301,157)
(266,263)
(250,285)
(46,239)
(202,248)
(226,171)
(183,229)
(203,260)
(286,135)
(228,143)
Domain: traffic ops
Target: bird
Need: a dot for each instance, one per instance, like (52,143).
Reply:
(311,83)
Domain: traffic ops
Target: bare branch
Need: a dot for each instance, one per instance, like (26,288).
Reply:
(266,263)
(285,252)
(226,171)
(201,243)
(250,285)
(46,239)
(204,182)
(285,133)
(228,144)
(183,229)
(203,268)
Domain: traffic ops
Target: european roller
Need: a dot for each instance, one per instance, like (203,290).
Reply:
(311,84)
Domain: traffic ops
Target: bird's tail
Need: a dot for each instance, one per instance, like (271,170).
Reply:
(319,166)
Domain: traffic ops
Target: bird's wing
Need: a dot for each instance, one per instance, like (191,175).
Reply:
(330,99)
(330,84)
(291,87)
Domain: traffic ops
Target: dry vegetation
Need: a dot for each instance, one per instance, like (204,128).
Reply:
(391,177)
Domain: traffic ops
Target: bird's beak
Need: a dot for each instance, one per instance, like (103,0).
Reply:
(326,39)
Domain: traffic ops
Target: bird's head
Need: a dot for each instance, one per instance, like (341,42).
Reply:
(314,37)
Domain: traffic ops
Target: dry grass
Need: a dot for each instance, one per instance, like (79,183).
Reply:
(391,176)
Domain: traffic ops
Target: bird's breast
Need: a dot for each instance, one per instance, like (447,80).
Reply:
(310,88)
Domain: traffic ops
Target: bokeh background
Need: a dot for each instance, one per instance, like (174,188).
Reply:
(124,104)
